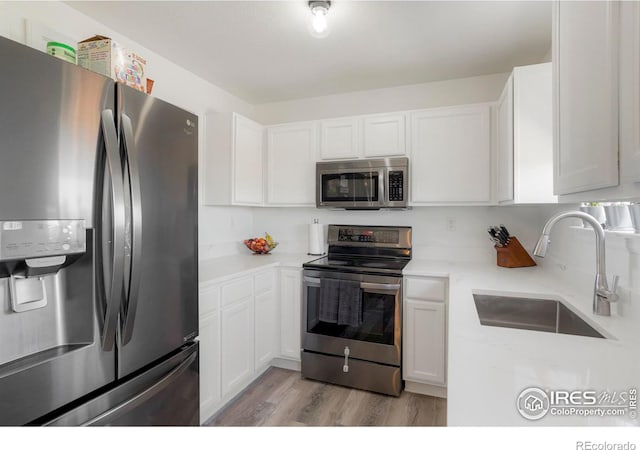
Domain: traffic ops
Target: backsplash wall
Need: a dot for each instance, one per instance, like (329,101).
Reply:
(439,233)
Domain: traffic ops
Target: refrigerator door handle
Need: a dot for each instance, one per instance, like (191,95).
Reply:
(136,219)
(114,293)
(108,416)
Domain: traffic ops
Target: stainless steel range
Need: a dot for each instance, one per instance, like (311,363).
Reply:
(352,308)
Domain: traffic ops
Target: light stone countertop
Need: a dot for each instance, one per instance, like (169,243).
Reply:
(488,367)
(220,269)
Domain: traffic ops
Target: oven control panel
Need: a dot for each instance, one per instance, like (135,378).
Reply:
(368,235)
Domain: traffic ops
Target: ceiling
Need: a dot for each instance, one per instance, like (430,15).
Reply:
(262,51)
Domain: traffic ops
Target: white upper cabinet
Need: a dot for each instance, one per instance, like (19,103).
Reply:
(585,81)
(504,142)
(630,92)
(524,137)
(291,164)
(384,135)
(340,138)
(450,159)
(233,160)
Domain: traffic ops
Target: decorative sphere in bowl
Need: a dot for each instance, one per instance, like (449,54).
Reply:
(261,246)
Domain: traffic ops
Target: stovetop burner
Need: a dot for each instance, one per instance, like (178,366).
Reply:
(372,249)
(359,264)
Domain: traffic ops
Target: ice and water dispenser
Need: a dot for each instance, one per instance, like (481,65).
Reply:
(46,286)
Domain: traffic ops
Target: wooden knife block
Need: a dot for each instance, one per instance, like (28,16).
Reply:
(514,255)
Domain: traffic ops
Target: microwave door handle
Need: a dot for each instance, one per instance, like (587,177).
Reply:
(381,187)
(112,295)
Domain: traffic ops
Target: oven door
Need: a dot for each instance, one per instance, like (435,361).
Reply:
(376,339)
(350,188)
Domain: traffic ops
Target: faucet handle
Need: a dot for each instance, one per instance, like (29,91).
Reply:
(614,288)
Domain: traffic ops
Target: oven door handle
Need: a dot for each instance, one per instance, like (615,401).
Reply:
(363,285)
(379,287)
(313,281)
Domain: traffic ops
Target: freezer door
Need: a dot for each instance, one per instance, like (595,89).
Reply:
(160,153)
(49,127)
(166,394)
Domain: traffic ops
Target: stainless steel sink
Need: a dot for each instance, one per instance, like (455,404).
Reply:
(531,314)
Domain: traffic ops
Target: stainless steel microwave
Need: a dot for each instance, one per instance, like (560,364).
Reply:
(363,183)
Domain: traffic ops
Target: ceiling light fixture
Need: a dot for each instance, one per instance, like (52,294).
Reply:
(319,11)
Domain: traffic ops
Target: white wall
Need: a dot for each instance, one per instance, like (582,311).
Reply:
(219,227)
(416,96)
(432,239)
(571,257)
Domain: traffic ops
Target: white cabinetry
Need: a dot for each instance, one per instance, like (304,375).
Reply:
(384,135)
(504,143)
(233,160)
(585,80)
(630,93)
(209,337)
(290,298)
(266,319)
(237,335)
(340,138)
(524,132)
(424,334)
(451,155)
(291,158)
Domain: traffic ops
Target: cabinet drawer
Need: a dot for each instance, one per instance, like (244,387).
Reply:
(263,282)
(237,290)
(209,298)
(426,288)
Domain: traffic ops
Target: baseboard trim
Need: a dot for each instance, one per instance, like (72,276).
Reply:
(285,363)
(425,389)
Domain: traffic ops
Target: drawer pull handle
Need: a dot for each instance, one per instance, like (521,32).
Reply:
(345,368)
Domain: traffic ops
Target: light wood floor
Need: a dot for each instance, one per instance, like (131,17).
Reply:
(282,398)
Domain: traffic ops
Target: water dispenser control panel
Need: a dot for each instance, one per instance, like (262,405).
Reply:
(39,238)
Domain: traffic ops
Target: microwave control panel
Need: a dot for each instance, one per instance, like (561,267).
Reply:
(396,182)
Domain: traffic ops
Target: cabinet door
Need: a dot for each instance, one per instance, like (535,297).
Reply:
(630,92)
(247,162)
(266,319)
(504,138)
(291,164)
(451,155)
(586,95)
(290,299)
(209,338)
(237,345)
(424,341)
(384,135)
(339,139)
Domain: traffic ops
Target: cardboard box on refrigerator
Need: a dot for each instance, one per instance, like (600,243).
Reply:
(105,56)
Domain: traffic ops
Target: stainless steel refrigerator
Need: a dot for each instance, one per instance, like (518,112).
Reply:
(98,249)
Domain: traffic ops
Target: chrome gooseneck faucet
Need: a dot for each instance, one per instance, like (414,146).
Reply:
(602,295)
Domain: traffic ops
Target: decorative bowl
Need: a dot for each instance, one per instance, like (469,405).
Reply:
(261,245)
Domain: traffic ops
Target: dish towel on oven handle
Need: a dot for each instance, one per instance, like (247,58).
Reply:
(329,298)
(350,303)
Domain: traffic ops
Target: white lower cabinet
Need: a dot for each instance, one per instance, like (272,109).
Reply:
(237,345)
(290,298)
(265,319)
(425,332)
(209,336)
(240,331)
